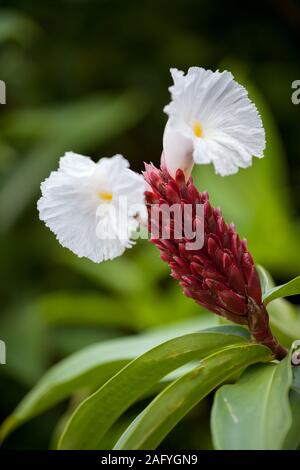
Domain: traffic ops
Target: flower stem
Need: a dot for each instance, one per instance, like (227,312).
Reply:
(258,322)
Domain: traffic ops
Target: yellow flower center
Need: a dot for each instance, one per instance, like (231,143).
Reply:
(105,196)
(197,128)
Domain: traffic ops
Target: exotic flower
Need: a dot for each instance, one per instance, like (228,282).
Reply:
(221,276)
(211,120)
(92,207)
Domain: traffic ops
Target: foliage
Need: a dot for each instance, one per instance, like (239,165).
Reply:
(130,369)
(258,411)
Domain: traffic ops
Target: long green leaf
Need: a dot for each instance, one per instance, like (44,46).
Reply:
(98,413)
(285,290)
(254,413)
(173,403)
(93,366)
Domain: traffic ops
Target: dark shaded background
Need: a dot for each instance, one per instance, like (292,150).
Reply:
(92,77)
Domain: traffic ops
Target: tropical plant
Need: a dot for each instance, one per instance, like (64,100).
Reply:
(142,386)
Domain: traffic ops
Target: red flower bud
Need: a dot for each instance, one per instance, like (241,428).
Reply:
(221,276)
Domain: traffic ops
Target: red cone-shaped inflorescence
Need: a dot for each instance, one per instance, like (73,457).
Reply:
(221,276)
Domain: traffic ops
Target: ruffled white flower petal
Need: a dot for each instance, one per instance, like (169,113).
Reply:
(180,148)
(92,207)
(211,116)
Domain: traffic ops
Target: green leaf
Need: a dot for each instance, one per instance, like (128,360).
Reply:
(98,413)
(265,278)
(174,402)
(254,413)
(285,290)
(92,366)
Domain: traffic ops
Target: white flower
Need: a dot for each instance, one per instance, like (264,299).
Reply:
(212,120)
(92,207)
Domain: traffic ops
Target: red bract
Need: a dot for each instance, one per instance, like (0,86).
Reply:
(221,276)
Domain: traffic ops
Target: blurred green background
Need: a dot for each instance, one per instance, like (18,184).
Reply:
(92,77)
